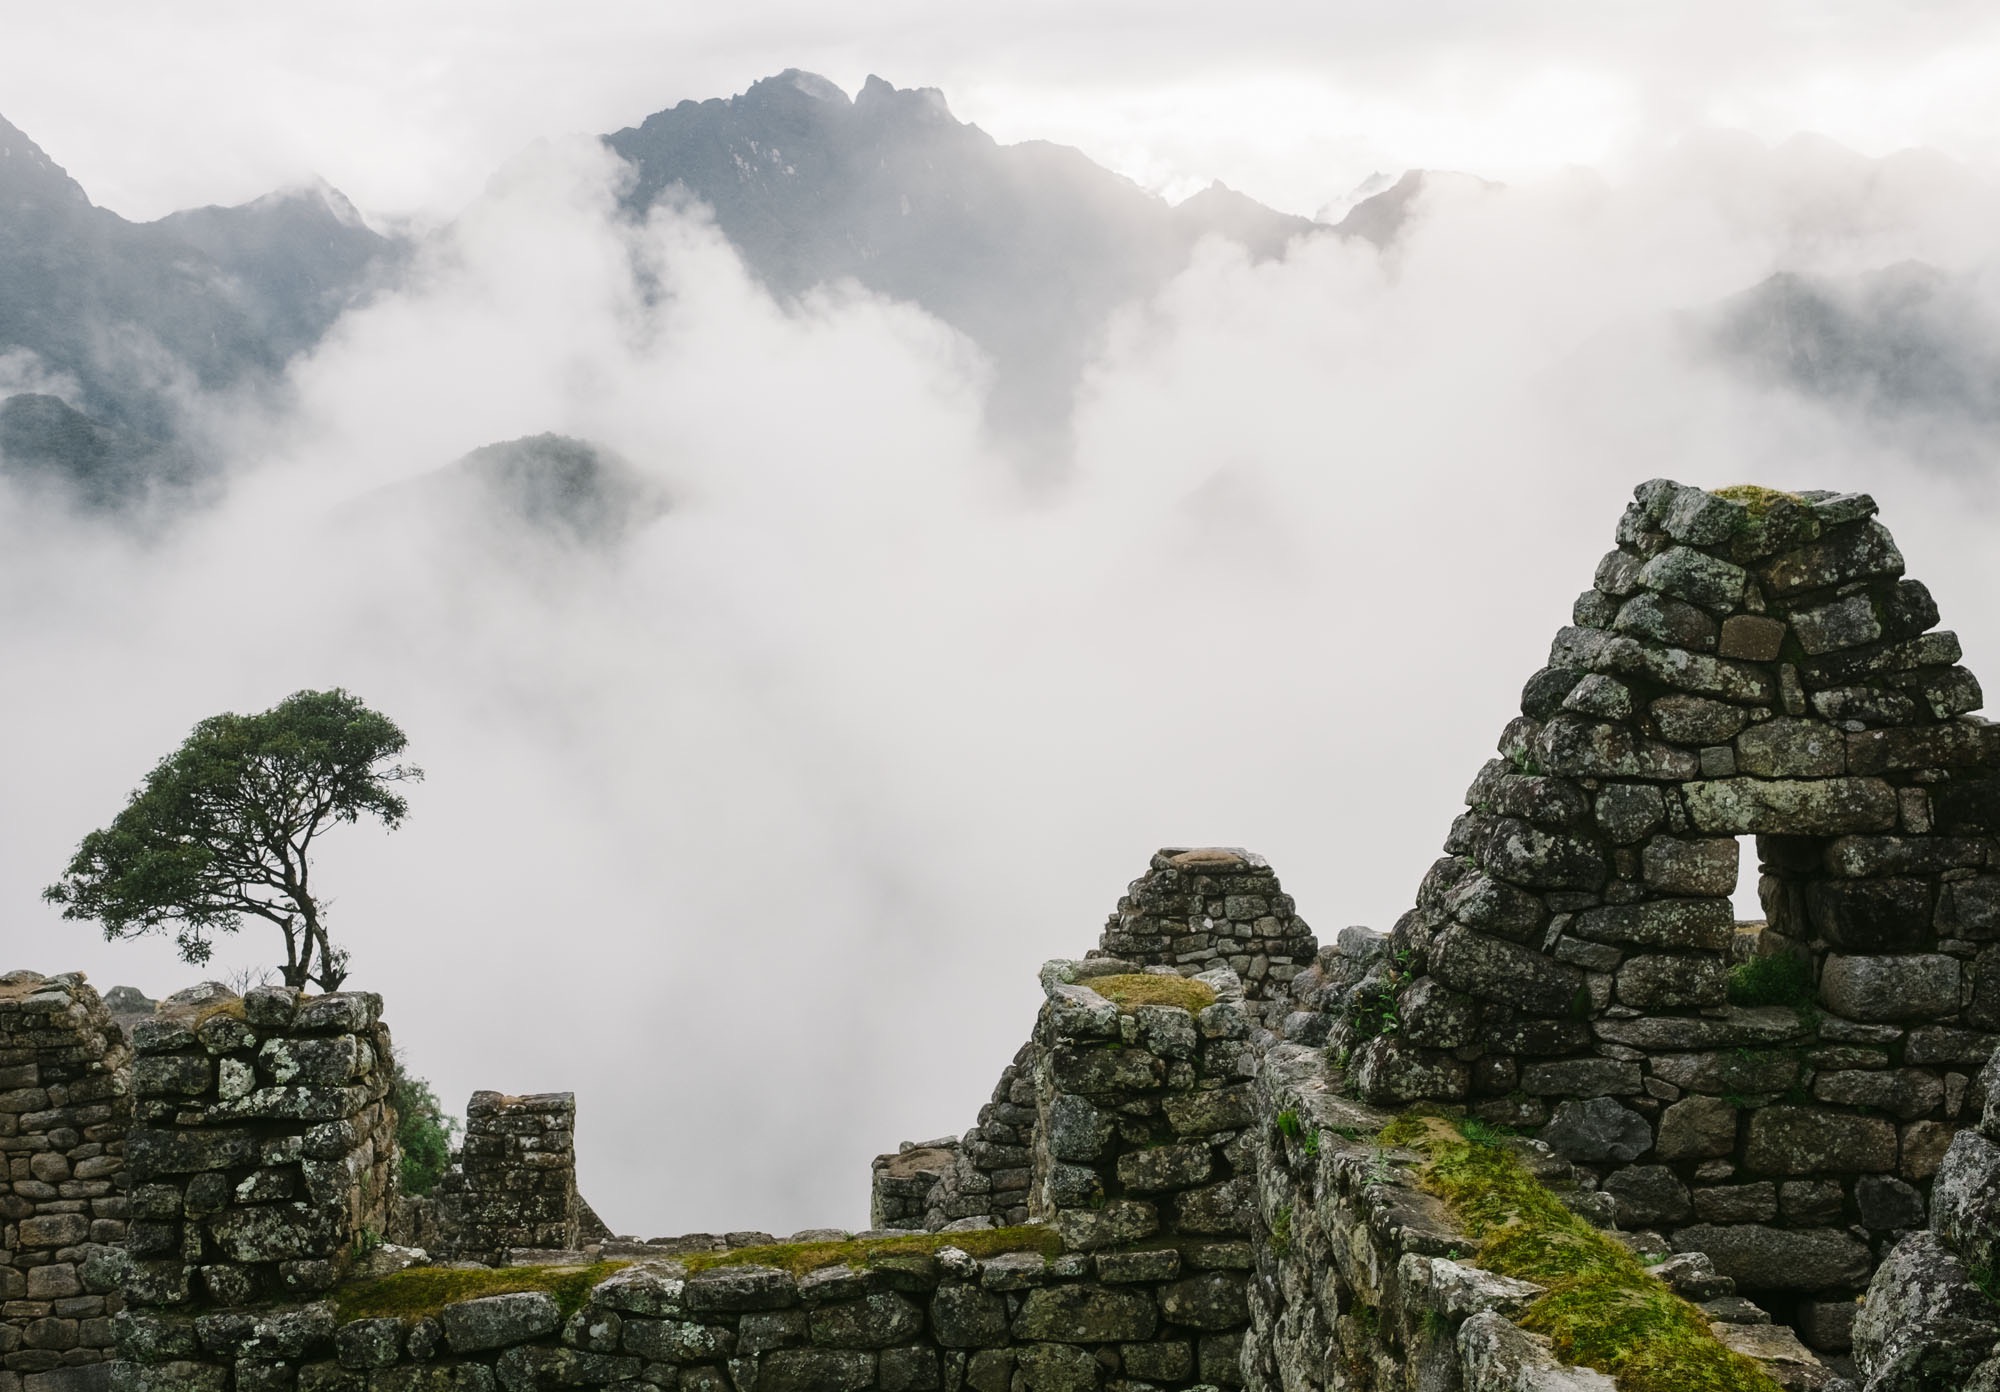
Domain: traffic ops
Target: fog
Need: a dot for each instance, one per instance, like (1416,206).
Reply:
(754,828)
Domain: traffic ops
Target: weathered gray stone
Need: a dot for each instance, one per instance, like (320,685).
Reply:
(1436,1017)
(1736,1203)
(1915,986)
(1691,575)
(875,1321)
(1924,1325)
(1741,1071)
(1672,981)
(963,1316)
(1118,1222)
(1705,868)
(1086,1314)
(1888,1204)
(1688,924)
(1791,748)
(1697,1128)
(1522,853)
(1597,1129)
(494,1321)
(1204,1113)
(1792,1140)
(813,1370)
(679,1341)
(1871,916)
(1164,1167)
(1494,906)
(1851,553)
(1648,1195)
(1576,747)
(1213,1300)
(1628,812)
(1499,1356)
(1737,1026)
(1845,623)
(1964,1211)
(1220,1210)
(1581,1077)
(1905,1093)
(1751,638)
(1054,1368)
(1697,720)
(1818,807)
(1758,1257)
(1076,1130)
(1672,622)
(1497,970)
(1391,1071)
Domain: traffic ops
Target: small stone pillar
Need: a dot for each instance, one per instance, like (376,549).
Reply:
(1144,1111)
(1214,906)
(64,1077)
(514,1187)
(262,1158)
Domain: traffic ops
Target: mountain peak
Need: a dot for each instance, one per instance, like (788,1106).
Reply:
(887,98)
(29,178)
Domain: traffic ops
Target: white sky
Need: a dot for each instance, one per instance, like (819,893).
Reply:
(410,106)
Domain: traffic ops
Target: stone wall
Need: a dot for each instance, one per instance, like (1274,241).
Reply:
(262,1162)
(1197,908)
(64,1076)
(1740,667)
(512,1186)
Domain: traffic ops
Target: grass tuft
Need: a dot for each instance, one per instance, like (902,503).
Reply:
(424,1290)
(1602,1309)
(1755,498)
(1130,990)
(801,1257)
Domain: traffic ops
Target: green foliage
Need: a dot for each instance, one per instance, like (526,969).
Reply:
(423,1131)
(1784,978)
(1984,1277)
(1281,1230)
(1602,1308)
(1287,1123)
(424,1290)
(1130,990)
(1310,1145)
(801,1257)
(224,827)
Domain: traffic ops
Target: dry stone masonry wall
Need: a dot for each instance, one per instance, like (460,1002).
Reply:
(1742,666)
(64,1099)
(513,1186)
(262,1162)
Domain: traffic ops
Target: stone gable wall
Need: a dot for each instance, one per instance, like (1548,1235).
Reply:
(64,1078)
(1733,672)
(512,1186)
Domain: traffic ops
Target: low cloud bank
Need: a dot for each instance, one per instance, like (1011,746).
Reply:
(753,827)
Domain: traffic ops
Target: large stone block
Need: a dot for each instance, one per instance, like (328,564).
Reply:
(1904,1093)
(1497,970)
(1524,854)
(1392,1071)
(1697,1128)
(495,1321)
(1964,1211)
(1581,1077)
(1597,1129)
(1916,986)
(1696,577)
(1924,1325)
(1791,748)
(877,1320)
(1792,1140)
(1672,981)
(1872,916)
(1685,924)
(1086,1314)
(1817,807)
(1704,868)
(1764,1258)
(1860,552)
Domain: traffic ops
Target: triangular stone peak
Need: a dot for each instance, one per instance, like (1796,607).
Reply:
(1747,663)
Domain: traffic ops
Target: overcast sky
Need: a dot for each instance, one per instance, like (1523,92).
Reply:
(410,106)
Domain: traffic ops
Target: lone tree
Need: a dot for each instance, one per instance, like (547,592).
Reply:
(224,826)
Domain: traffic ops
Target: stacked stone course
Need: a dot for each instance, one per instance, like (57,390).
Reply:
(64,1074)
(1758,667)
(262,1160)
(513,1186)
(1197,908)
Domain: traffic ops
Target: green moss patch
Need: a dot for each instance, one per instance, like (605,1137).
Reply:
(1755,498)
(1784,978)
(801,1257)
(1602,1309)
(424,1290)
(1128,991)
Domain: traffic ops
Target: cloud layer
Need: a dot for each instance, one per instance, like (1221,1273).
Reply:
(754,829)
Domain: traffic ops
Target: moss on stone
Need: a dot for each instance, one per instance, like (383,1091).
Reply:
(801,1257)
(1755,498)
(1130,990)
(424,1290)
(1602,1308)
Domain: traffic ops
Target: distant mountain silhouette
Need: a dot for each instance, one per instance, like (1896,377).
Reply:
(554,486)
(1027,249)
(1908,340)
(135,316)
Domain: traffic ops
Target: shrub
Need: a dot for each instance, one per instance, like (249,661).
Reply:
(1785,978)
(423,1132)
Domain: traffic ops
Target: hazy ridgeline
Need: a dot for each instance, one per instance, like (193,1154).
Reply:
(816,704)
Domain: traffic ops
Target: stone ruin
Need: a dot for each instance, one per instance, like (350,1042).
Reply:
(1740,668)
(1188,1191)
